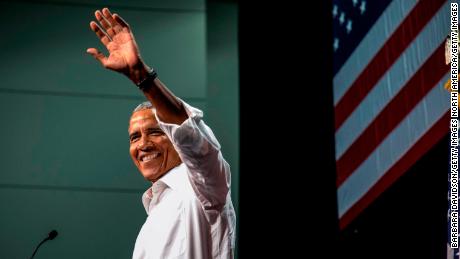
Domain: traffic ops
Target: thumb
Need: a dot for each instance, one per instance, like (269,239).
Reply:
(97,55)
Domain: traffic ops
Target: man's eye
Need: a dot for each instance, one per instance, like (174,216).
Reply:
(133,138)
(156,133)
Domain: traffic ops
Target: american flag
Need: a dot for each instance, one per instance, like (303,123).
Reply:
(390,103)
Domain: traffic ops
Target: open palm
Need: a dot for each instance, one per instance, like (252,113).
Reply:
(116,36)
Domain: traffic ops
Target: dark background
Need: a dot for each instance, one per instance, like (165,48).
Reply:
(287,182)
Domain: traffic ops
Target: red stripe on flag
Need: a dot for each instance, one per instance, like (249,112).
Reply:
(425,143)
(416,88)
(393,48)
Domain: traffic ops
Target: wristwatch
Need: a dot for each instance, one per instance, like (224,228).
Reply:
(146,82)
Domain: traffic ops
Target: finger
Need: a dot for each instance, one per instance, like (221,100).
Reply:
(97,55)
(105,24)
(105,39)
(120,21)
(108,15)
(115,28)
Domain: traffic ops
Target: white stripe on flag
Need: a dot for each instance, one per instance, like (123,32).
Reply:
(383,28)
(399,141)
(434,33)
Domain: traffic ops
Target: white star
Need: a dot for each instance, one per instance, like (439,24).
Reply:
(363,7)
(349,23)
(355,2)
(335,11)
(342,18)
(336,44)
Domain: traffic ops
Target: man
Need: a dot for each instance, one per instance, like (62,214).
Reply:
(190,213)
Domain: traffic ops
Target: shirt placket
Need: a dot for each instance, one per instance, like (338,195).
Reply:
(157,190)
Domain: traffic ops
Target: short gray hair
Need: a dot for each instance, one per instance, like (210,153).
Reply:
(143,106)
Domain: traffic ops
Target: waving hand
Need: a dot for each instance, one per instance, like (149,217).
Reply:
(117,37)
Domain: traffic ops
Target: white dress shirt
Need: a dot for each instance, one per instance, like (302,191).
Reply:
(190,212)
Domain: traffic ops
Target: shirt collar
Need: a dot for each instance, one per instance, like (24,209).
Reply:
(174,179)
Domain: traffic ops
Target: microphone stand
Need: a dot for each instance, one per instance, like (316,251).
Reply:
(50,236)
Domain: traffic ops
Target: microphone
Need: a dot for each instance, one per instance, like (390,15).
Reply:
(51,235)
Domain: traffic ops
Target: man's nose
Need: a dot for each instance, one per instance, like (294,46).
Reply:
(144,142)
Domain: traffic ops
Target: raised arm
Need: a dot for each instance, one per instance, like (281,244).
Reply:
(124,57)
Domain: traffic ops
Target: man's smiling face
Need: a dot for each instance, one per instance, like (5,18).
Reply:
(151,150)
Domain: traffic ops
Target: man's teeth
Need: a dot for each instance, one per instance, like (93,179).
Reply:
(150,157)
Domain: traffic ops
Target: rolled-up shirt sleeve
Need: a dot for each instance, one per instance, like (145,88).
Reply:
(199,149)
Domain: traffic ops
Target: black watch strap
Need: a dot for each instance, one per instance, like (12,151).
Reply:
(146,83)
